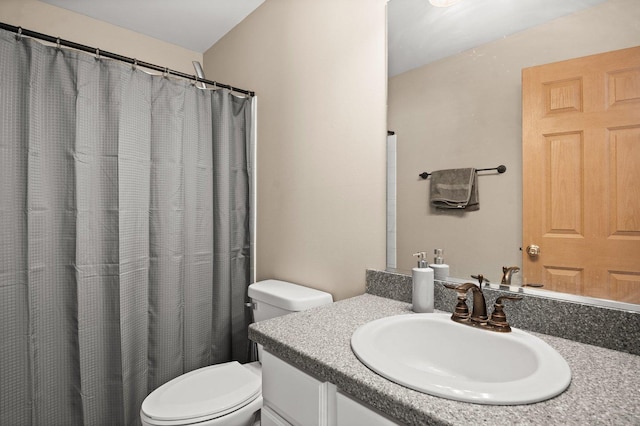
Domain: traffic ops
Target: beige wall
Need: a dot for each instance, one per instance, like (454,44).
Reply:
(319,70)
(57,22)
(465,111)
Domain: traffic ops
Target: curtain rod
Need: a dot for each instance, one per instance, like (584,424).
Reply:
(61,42)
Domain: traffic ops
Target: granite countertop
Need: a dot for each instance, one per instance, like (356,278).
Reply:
(604,387)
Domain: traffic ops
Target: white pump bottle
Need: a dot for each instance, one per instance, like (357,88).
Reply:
(422,295)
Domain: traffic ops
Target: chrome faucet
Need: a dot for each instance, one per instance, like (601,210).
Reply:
(478,317)
(507,273)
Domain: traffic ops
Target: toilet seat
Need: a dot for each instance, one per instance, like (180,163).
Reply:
(203,394)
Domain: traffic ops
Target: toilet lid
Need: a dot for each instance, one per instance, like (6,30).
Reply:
(206,392)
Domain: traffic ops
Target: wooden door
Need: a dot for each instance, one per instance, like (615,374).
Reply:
(581,175)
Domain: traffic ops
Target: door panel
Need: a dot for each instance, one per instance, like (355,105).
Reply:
(581,175)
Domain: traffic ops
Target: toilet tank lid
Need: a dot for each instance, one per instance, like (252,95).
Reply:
(289,296)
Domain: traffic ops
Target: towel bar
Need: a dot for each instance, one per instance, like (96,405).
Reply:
(501,169)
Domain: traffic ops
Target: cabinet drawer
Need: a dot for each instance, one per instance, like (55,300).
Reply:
(296,396)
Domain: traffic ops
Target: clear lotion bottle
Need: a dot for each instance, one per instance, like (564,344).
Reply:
(422,295)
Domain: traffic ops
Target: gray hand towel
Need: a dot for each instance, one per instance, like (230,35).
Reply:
(455,189)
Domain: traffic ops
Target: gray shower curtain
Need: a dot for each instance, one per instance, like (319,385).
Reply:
(124,233)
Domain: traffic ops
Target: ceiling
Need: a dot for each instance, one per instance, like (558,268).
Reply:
(193,24)
(418,32)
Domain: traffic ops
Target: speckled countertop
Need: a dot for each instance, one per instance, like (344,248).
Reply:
(604,387)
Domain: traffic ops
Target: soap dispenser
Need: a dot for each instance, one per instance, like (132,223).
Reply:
(422,296)
(440,269)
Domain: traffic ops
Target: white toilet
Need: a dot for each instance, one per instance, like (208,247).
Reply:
(228,394)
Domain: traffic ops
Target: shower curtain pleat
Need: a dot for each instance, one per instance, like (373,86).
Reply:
(135,142)
(99,96)
(125,241)
(198,291)
(51,237)
(241,249)
(231,225)
(166,237)
(15,349)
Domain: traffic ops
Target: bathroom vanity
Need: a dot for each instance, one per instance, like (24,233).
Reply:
(291,396)
(312,377)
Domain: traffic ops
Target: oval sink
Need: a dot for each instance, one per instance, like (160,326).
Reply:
(432,354)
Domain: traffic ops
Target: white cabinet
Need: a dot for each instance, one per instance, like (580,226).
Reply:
(268,417)
(293,397)
(350,412)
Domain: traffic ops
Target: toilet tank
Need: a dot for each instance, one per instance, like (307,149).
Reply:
(273,298)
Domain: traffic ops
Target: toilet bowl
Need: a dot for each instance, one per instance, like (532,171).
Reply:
(228,394)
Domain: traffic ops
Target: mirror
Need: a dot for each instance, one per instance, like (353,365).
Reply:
(463,109)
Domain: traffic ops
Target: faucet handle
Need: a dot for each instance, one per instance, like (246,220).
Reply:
(507,297)
(480,279)
(460,288)
(461,311)
(498,319)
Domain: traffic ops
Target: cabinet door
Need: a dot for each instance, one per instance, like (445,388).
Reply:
(293,394)
(354,413)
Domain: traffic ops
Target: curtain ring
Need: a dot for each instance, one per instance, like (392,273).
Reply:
(165,74)
(194,82)
(97,54)
(135,64)
(58,43)
(19,34)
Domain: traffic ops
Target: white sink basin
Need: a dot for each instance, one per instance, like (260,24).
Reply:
(432,354)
